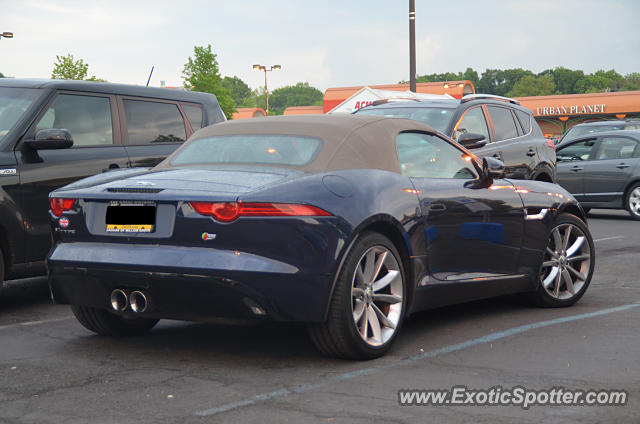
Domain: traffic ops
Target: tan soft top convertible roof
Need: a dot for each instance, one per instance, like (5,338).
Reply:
(349,141)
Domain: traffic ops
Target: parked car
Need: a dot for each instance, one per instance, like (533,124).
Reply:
(55,132)
(493,125)
(603,170)
(590,128)
(343,222)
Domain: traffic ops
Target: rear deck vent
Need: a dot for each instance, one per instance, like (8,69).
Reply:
(134,190)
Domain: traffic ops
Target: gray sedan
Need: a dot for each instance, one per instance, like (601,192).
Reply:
(602,170)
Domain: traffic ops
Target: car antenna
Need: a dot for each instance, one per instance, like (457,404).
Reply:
(150,73)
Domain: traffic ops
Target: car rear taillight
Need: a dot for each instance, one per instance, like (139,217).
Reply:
(229,211)
(551,144)
(59,205)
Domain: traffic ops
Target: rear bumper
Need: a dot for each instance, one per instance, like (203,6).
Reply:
(192,283)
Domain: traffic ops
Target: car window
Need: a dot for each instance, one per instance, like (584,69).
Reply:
(87,118)
(576,151)
(153,122)
(194,115)
(473,121)
(504,127)
(290,150)
(525,120)
(14,102)
(429,156)
(436,117)
(585,130)
(616,148)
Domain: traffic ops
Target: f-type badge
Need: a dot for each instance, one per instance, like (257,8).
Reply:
(208,236)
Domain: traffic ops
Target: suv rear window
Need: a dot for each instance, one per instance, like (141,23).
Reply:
(154,122)
(437,118)
(249,149)
(525,120)
(503,126)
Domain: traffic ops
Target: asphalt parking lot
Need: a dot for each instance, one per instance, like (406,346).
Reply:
(53,370)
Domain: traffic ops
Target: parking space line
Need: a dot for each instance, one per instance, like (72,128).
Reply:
(263,397)
(609,238)
(29,323)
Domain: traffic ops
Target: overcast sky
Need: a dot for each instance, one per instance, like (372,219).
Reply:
(327,43)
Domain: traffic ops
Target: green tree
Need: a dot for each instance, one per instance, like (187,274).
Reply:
(66,67)
(500,82)
(239,90)
(564,79)
(632,81)
(530,85)
(600,81)
(301,94)
(201,73)
(1,75)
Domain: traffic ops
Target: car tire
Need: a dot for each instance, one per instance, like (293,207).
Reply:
(106,323)
(632,201)
(368,303)
(567,265)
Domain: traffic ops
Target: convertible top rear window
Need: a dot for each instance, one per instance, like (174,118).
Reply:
(289,150)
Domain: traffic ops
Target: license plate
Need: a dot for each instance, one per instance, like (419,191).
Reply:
(131,217)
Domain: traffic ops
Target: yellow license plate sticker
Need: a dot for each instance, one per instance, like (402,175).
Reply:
(119,228)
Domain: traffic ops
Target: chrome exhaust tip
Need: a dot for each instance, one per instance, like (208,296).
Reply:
(138,301)
(119,301)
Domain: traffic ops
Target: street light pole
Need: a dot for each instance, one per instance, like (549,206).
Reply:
(264,69)
(6,34)
(412,45)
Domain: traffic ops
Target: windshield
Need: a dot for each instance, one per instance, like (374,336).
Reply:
(13,103)
(579,131)
(268,149)
(436,117)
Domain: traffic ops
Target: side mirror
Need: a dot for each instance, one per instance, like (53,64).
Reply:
(53,138)
(492,168)
(472,140)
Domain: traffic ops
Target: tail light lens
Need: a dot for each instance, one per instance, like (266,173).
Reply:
(551,144)
(59,205)
(229,211)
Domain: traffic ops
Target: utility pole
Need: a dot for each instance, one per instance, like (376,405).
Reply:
(412,45)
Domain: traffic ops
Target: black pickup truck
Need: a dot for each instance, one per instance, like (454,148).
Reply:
(54,132)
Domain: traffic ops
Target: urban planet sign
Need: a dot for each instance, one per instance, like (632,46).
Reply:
(570,110)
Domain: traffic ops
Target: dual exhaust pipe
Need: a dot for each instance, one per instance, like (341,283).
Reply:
(137,301)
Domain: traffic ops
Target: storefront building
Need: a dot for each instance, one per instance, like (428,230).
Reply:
(558,113)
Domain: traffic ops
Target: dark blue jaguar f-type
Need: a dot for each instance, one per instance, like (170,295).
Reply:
(347,223)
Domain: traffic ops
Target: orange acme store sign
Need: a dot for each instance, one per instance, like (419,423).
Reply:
(334,96)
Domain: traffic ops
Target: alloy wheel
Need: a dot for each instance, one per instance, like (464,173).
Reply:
(566,263)
(377,295)
(634,201)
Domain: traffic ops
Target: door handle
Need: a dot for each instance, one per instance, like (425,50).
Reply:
(497,156)
(531,152)
(622,166)
(576,169)
(437,207)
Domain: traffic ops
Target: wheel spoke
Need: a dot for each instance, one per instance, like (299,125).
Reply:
(577,273)
(374,324)
(370,261)
(359,277)
(358,311)
(357,292)
(387,298)
(556,289)
(568,281)
(552,276)
(383,319)
(575,246)
(364,322)
(557,240)
(549,263)
(386,280)
(552,253)
(579,258)
(567,235)
(381,258)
